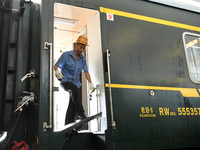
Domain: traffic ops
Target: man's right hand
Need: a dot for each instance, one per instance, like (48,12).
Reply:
(58,74)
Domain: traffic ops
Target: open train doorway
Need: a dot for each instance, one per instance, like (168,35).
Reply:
(69,23)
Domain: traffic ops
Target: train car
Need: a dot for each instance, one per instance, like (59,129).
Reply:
(143,57)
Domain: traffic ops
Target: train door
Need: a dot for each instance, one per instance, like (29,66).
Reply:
(69,23)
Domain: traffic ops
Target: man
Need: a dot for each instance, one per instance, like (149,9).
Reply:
(71,64)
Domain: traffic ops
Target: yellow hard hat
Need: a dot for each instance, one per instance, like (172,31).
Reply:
(83,40)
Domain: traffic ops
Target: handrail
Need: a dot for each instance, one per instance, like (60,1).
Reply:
(46,47)
(110,92)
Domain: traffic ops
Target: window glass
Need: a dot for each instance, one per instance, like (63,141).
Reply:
(192,50)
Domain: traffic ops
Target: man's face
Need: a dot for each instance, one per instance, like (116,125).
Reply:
(79,48)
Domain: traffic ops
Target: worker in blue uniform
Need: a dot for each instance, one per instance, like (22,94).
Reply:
(71,63)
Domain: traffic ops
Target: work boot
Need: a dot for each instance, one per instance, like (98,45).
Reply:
(81,127)
(81,116)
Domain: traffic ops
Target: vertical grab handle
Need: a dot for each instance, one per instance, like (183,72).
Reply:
(46,47)
(110,92)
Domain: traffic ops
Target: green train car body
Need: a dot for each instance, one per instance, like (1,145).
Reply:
(153,70)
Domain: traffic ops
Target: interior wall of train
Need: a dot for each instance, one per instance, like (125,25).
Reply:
(80,21)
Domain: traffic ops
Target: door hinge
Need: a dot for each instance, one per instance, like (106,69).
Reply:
(47,45)
(46,127)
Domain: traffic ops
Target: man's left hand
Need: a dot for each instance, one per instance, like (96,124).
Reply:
(92,88)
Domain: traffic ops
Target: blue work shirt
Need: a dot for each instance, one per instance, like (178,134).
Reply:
(71,68)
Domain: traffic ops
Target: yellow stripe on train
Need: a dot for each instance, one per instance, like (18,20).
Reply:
(186,92)
(149,19)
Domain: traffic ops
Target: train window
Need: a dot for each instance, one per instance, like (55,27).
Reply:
(192,51)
